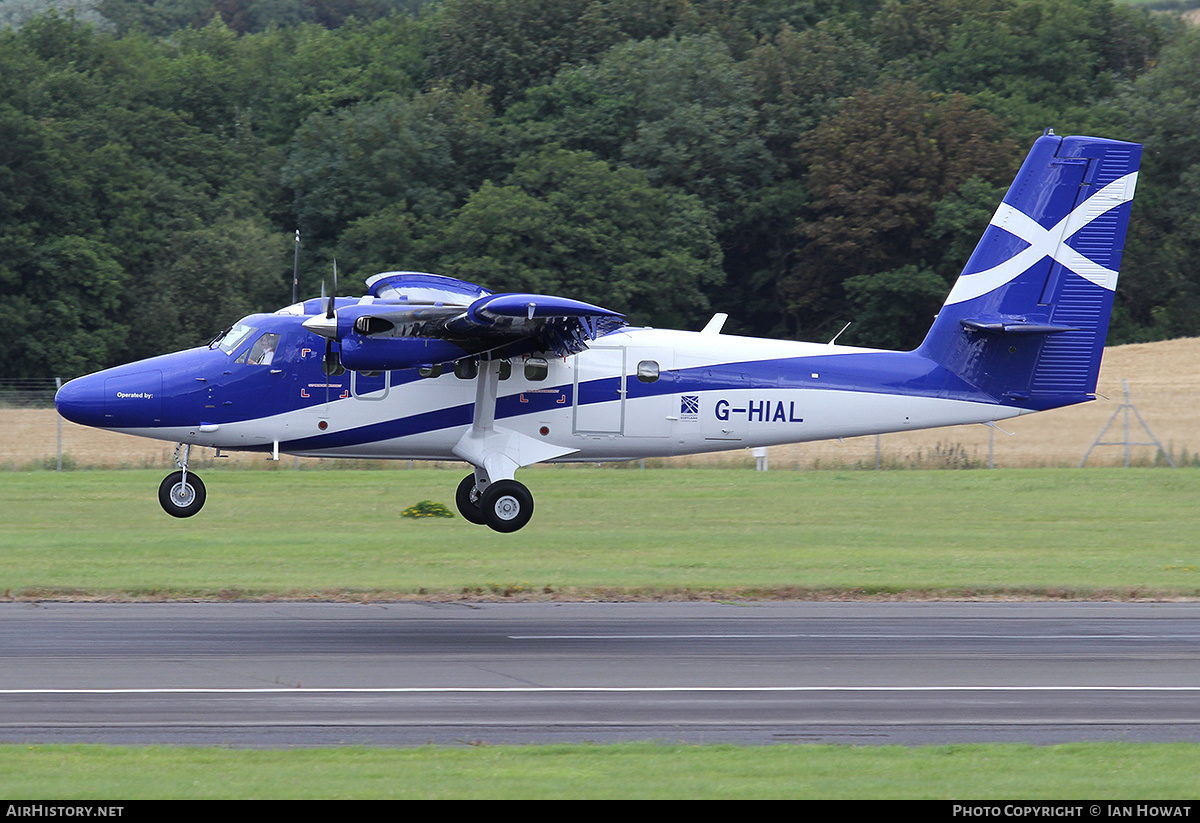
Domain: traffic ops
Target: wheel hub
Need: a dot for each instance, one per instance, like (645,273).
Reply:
(507,507)
(183,494)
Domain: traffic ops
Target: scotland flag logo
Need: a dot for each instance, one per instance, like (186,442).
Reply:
(689,406)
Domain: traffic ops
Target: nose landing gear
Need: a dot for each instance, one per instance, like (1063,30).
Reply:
(181,494)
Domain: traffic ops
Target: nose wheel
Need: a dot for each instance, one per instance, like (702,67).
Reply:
(503,506)
(180,495)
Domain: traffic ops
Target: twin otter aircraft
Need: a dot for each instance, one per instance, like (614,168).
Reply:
(429,367)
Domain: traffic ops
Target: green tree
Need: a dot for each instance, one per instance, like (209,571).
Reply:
(893,309)
(16,13)
(878,169)
(303,70)
(163,18)
(357,161)
(1159,292)
(566,222)
(205,279)
(801,77)
(1035,61)
(511,45)
(63,318)
(679,109)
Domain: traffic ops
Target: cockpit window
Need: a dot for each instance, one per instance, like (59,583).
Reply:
(233,338)
(263,350)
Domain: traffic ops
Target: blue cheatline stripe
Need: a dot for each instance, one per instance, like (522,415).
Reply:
(867,372)
(447,418)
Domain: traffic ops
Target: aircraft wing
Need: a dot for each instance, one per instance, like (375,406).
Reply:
(558,324)
(407,313)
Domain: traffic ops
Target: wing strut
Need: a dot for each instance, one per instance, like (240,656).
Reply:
(497,452)
(491,496)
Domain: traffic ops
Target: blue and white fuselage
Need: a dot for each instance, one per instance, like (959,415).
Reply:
(426,367)
(696,392)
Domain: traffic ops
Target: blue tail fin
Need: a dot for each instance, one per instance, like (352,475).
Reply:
(1027,319)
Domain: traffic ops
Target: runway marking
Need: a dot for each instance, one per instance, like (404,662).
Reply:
(614,689)
(794,636)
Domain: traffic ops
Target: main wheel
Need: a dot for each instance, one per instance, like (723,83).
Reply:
(179,498)
(507,505)
(467,498)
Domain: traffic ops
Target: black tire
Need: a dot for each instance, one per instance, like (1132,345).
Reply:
(180,499)
(507,505)
(467,500)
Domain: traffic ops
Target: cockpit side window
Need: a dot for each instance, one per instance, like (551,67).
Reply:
(234,337)
(263,350)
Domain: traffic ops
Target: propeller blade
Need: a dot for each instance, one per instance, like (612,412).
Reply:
(328,330)
(326,324)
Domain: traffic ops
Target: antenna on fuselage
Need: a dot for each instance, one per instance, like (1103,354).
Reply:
(839,334)
(296,271)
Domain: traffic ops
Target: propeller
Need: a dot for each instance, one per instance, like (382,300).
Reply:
(329,311)
(326,326)
(332,362)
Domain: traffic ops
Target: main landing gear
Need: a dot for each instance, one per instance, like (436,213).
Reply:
(181,494)
(502,506)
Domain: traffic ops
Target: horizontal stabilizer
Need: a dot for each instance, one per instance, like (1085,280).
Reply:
(1012,327)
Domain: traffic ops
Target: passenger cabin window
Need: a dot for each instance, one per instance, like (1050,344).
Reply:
(536,368)
(468,369)
(647,371)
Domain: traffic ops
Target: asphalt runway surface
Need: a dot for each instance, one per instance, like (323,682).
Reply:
(398,674)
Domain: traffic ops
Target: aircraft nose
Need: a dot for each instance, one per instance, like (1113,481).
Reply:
(123,397)
(82,400)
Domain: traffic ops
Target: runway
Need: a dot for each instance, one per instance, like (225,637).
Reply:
(307,674)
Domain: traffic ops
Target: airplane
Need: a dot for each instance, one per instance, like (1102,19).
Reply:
(429,367)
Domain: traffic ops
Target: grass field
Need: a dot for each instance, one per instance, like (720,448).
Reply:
(1075,533)
(1087,771)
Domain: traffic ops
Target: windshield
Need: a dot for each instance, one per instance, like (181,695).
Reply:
(234,337)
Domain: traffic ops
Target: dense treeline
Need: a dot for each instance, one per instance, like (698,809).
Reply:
(796,163)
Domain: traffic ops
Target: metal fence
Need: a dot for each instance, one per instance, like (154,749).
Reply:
(28,392)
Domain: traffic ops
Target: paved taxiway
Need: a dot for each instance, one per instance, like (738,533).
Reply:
(286,674)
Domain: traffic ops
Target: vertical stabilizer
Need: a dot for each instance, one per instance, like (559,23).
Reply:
(1027,319)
